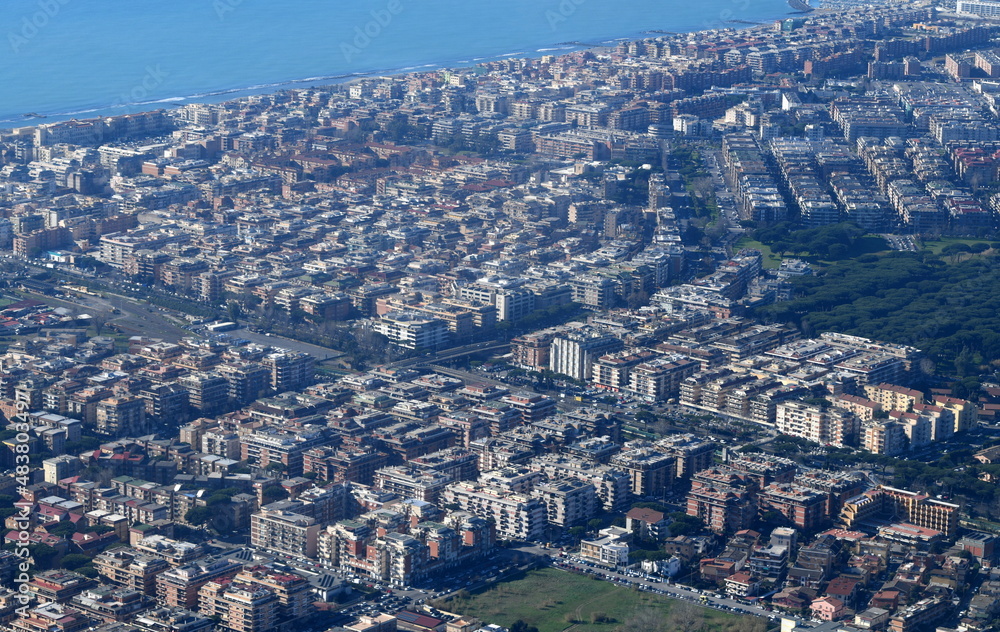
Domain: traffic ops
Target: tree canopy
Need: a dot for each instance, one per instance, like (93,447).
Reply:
(833,242)
(951,312)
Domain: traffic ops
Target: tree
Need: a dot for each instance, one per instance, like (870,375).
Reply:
(98,321)
(521,626)
(637,299)
(684,524)
(595,523)
(273,493)
(198,515)
(88,571)
(655,506)
(685,617)
(646,417)
(63,529)
(43,555)
(74,561)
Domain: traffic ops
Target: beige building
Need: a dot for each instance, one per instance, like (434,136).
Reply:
(284,531)
(863,407)
(883,437)
(568,501)
(131,569)
(611,549)
(900,505)
(241,607)
(894,397)
(650,470)
(829,426)
(516,516)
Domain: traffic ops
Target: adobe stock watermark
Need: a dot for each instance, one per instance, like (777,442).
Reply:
(22,519)
(370,30)
(140,92)
(225,7)
(33,23)
(563,12)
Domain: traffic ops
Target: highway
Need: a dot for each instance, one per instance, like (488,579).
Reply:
(450,354)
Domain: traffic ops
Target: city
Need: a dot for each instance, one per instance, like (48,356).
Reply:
(694,332)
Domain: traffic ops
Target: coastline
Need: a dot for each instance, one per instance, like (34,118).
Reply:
(224,95)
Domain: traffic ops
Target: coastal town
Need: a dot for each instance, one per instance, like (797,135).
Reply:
(702,323)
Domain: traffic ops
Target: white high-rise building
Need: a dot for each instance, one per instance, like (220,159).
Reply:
(574,354)
(979,8)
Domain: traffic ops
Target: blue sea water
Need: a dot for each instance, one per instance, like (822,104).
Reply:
(80,58)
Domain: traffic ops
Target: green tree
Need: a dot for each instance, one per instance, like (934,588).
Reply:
(74,561)
(88,571)
(521,626)
(43,554)
(198,515)
(684,524)
(62,529)
(273,493)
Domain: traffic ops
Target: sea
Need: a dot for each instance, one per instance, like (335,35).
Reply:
(65,59)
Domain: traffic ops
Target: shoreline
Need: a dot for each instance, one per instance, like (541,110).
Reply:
(225,95)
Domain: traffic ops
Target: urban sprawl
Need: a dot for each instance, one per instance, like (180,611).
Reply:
(344,358)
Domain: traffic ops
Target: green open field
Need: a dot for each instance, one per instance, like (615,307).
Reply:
(935,245)
(553,600)
(771,260)
(869,244)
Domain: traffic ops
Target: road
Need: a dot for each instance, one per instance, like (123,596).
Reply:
(265,340)
(134,318)
(468,376)
(455,352)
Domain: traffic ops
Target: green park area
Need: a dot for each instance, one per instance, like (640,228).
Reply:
(823,246)
(938,246)
(771,260)
(553,600)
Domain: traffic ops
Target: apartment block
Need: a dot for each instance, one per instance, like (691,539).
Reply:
(516,516)
(888,503)
(803,507)
(131,569)
(284,531)
(829,426)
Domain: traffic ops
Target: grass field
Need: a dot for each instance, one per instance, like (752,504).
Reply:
(869,244)
(771,260)
(553,600)
(935,245)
